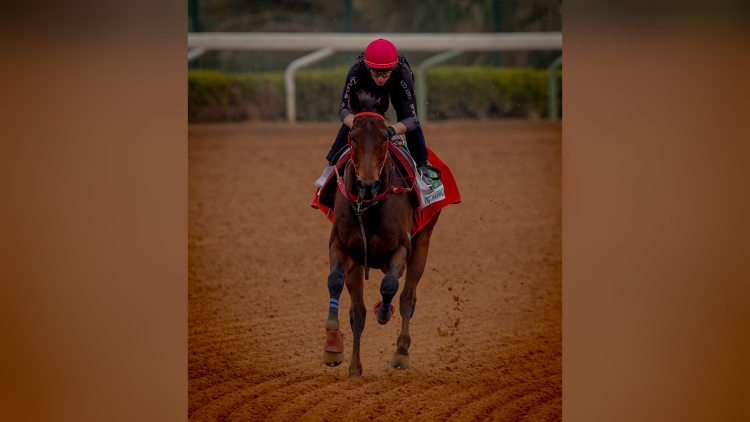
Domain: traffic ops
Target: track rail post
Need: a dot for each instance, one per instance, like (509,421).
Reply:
(194,53)
(552,107)
(291,71)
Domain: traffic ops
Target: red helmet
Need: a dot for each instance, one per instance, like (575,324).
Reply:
(381,54)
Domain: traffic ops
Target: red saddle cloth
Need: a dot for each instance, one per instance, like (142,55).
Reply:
(441,197)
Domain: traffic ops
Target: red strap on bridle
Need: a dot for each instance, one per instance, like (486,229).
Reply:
(368,113)
(382,195)
(349,139)
(390,189)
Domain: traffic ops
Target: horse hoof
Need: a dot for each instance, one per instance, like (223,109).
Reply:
(333,349)
(383,316)
(400,361)
(355,373)
(333,358)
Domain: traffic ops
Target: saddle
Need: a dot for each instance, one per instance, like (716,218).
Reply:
(428,201)
(405,169)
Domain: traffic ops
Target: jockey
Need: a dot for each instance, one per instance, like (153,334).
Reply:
(385,74)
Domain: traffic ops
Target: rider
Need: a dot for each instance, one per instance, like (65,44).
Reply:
(383,72)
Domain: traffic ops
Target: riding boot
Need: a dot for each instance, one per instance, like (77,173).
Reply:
(427,174)
(415,142)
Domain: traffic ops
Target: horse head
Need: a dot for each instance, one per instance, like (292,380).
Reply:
(368,141)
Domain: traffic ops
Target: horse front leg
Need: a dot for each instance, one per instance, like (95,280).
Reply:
(408,299)
(389,285)
(333,349)
(357,314)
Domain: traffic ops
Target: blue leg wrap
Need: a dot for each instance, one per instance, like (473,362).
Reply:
(334,303)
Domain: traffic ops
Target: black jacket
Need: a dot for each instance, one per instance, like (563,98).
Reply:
(399,89)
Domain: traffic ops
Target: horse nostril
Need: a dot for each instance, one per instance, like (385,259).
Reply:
(360,185)
(376,186)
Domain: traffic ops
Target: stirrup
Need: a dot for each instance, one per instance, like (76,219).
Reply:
(438,173)
(323,177)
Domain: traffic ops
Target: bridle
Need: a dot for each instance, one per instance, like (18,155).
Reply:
(349,140)
(357,199)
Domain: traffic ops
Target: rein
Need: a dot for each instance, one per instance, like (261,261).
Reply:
(357,199)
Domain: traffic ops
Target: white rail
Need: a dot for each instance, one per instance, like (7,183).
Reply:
(326,44)
(195,53)
(291,70)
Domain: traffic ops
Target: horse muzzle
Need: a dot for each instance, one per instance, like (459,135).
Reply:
(368,191)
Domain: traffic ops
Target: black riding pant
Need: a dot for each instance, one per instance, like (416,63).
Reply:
(414,140)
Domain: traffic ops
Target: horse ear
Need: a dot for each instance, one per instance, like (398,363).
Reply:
(355,102)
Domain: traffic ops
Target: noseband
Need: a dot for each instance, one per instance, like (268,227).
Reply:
(358,200)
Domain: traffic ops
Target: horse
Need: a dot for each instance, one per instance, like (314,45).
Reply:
(372,228)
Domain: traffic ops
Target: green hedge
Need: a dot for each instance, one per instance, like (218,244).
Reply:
(453,92)
(215,96)
(481,92)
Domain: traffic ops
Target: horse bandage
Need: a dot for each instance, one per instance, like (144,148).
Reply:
(334,303)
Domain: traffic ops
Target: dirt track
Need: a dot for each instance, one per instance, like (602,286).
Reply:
(486,336)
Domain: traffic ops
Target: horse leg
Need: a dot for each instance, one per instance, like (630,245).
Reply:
(357,313)
(408,298)
(389,285)
(333,350)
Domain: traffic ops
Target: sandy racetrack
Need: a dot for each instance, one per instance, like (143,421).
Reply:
(487,331)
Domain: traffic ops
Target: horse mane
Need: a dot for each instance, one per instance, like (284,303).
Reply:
(365,101)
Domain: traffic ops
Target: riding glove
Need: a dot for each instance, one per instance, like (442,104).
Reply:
(391,132)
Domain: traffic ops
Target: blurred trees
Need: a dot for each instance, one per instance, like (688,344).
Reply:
(374,16)
(378,16)
(272,15)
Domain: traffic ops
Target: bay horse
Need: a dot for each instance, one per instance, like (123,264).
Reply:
(370,205)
